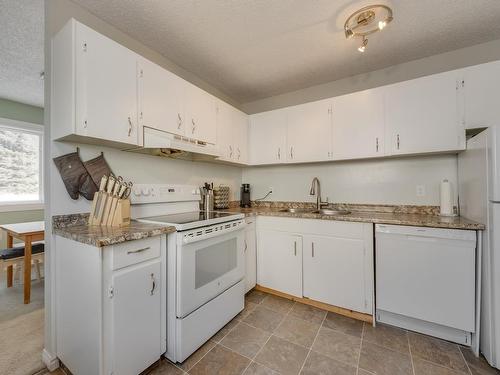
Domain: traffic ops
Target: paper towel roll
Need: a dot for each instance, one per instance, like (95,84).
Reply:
(446,198)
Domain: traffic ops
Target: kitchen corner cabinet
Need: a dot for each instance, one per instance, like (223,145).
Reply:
(94,88)
(267,137)
(309,132)
(250,254)
(425,115)
(232,134)
(358,125)
(326,261)
(110,306)
(161,99)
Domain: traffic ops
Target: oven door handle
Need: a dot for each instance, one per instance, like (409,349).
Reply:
(195,238)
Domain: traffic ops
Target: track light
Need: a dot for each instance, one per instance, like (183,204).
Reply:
(363,45)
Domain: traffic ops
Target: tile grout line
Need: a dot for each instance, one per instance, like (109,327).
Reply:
(269,338)
(315,337)
(411,354)
(360,347)
(463,357)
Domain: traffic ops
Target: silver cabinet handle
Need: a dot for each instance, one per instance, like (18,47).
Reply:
(376,143)
(291,152)
(397,142)
(246,246)
(179,121)
(279,153)
(239,153)
(129,126)
(295,248)
(153,284)
(230,151)
(194,126)
(138,250)
(312,249)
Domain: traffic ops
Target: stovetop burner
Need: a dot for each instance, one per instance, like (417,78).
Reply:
(195,219)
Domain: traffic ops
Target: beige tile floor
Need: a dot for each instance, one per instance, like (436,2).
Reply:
(275,336)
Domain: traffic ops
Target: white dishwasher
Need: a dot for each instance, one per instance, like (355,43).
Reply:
(425,280)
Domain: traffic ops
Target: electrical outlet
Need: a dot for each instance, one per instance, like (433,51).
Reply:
(271,189)
(420,190)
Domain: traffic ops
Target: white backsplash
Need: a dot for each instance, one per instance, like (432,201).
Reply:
(381,181)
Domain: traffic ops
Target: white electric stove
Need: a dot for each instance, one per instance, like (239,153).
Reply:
(205,264)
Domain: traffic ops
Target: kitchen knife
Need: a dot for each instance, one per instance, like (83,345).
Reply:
(105,196)
(97,201)
(109,199)
(119,186)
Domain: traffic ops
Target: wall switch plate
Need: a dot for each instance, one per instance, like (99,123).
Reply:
(420,190)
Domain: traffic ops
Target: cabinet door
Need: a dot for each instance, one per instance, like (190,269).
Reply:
(335,272)
(267,138)
(240,136)
(423,115)
(161,98)
(280,262)
(358,125)
(309,132)
(106,88)
(136,318)
(481,83)
(202,117)
(250,256)
(225,131)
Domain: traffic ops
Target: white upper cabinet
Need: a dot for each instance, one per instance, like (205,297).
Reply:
(358,125)
(267,137)
(425,115)
(161,98)
(481,83)
(232,133)
(201,110)
(94,87)
(308,133)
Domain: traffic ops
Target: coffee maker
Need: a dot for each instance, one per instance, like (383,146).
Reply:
(245,195)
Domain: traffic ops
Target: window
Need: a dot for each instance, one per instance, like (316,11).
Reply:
(21,146)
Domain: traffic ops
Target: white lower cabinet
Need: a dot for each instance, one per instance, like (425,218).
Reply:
(280,262)
(110,306)
(250,254)
(336,271)
(136,316)
(325,261)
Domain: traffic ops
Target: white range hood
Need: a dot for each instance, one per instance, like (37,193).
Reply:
(160,143)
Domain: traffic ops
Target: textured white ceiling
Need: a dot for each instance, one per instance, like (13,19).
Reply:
(251,49)
(21,51)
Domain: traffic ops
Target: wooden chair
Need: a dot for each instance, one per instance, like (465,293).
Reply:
(14,257)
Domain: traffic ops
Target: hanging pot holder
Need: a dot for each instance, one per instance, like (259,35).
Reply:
(74,175)
(97,168)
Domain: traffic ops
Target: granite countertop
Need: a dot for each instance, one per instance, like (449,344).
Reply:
(422,216)
(75,227)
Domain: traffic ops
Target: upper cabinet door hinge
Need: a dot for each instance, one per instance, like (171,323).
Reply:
(84,47)
(111,292)
(141,73)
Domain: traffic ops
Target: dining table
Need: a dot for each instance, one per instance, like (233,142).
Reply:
(28,233)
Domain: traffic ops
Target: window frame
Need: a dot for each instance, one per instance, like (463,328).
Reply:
(36,129)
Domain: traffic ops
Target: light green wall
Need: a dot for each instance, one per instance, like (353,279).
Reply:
(21,112)
(28,113)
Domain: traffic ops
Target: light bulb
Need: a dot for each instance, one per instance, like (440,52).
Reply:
(382,25)
(363,45)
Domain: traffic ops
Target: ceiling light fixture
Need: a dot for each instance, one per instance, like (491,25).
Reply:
(366,21)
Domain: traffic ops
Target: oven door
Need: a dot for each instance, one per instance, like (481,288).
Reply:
(209,261)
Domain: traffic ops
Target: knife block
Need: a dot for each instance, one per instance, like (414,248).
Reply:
(109,211)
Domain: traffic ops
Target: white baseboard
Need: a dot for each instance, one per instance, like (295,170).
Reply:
(50,360)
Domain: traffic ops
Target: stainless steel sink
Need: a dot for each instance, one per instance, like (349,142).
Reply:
(331,212)
(297,210)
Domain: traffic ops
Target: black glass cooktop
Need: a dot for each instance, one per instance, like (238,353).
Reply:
(188,217)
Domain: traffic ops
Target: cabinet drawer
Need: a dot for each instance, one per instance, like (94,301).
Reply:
(134,252)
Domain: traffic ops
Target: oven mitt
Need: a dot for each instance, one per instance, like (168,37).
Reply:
(75,177)
(97,168)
